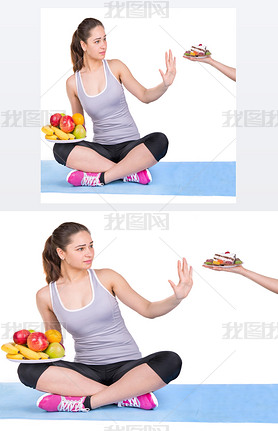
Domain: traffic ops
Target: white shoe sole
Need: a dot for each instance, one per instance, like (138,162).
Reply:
(149,175)
(39,399)
(70,174)
(154,400)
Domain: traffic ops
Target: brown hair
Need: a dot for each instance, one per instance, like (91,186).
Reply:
(60,238)
(82,33)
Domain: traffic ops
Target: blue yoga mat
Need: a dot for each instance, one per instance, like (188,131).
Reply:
(177,403)
(169,178)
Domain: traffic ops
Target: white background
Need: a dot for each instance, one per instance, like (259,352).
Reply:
(191,111)
(147,259)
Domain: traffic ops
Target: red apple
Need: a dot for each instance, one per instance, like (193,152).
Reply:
(20,337)
(55,119)
(67,124)
(37,341)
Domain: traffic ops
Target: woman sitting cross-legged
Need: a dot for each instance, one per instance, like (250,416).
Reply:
(108,367)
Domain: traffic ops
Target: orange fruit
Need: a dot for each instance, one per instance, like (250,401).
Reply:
(53,336)
(78,118)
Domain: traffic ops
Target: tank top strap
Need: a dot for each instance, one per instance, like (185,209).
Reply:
(80,91)
(53,295)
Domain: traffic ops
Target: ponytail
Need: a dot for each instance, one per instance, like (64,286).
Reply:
(81,34)
(51,261)
(60,238)
(76,53)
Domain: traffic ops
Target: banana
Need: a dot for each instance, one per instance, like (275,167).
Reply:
(47,130)
(18,356)
(52,137)
(43,355)
(9,348)
(71,136)
(28,353)
(61,135)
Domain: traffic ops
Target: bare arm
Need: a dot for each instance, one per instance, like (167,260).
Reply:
(157,308)
(49,318)
(76,106)
(266,282)
(148,95)
(230,72)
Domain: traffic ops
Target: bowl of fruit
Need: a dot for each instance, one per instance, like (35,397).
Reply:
(65,128)
(29,346)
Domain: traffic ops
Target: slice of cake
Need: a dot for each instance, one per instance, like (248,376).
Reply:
(224,259)
(198,51)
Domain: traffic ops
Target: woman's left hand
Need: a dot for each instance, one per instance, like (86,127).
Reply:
(185,280)
(170,74)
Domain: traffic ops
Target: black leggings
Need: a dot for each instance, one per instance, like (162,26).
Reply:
(157,144)
(166,364)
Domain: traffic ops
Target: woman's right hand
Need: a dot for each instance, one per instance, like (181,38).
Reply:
(206,59)
(236,269)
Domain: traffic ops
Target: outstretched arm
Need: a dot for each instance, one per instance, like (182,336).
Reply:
(230,72)
(266,282)
(148,95)
(158,308)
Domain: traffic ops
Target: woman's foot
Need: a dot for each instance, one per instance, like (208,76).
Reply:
(79,178)
(58,403)
(142,177)
(146,402)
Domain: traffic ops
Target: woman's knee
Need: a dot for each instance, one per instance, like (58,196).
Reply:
(29,373)
(157,143)
(167,364)
(174,364)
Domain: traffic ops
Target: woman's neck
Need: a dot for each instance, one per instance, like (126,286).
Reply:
(70,275)
(91,65)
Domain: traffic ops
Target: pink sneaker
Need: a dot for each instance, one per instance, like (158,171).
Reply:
(58,403)
(79,178)
(146,402)
(142,177)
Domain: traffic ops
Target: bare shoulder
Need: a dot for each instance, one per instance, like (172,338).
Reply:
(117,67)
(107,277)
(71,83)
(43,296)
(115,63)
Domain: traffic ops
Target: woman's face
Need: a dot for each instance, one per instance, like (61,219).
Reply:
(79,254)
(96,45)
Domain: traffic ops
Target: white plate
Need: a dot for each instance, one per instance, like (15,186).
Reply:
(35,361)
(222,266)
(62,141)
(197,56)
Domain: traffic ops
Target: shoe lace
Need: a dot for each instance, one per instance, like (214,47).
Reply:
(89,180)
(133,177)
(71,405)
(132,402)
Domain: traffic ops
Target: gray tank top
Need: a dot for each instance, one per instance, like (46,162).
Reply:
(112,121)
(98,329)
